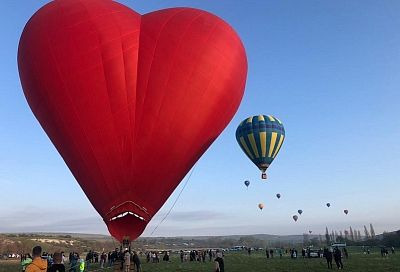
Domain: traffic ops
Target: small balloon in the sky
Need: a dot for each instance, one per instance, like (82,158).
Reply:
(295,217)
(278,196)
(328,204)
(261,206)
(346,211)
(247,183)
(310,231)
(300,211)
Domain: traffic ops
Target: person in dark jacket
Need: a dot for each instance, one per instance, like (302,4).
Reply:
(219,263)
(328,256)
(337,255)
(57,266)
(136,262)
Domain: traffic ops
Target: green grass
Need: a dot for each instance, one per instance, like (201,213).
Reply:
(235,262)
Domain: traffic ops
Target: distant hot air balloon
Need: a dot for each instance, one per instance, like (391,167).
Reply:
(310,231)
(346,211)
(247,183)
(278,196)
(261,206)
(300,211)
(295,217)
(261,138)
(328,204)
(117,93)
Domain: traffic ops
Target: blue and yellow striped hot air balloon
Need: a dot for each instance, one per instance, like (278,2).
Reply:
(261,138)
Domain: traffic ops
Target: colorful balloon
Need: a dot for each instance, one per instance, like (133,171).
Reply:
(295,217)
(328,204)
(261,206)
(300,211)
(261,137)
(247,183)
(278,196)
(346,211)
(130,102)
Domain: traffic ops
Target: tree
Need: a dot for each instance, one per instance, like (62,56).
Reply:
(327,238)
(333,237)
(320,239)
(305,239)
(340,234)
(366,233)
(372,231)
(351,234)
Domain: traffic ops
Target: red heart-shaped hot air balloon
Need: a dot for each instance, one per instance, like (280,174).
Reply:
(130,102)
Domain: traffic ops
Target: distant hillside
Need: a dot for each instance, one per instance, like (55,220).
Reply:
(51,242)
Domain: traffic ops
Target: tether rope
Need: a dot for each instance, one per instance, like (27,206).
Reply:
(176,200)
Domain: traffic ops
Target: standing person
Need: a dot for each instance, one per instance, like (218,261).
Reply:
(73,262)
(103,258)
(109,259)
(38,264)
(81,265)
(337,255)
(210,255)
(57,265)
(328,256)
(63,258)
(89,258)
(346,254)
(25,261)
(392,250)
(219,263)
(166,257)
(267,253)
(136,262)
(271,253)
(127,261)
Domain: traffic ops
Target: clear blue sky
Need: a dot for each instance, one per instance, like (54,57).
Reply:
(330,70)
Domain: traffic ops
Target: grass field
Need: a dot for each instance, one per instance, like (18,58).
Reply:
(239,262)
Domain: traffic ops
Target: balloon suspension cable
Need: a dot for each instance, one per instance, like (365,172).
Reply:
(176,200)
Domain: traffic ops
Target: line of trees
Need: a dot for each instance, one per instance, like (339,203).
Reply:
(353,237)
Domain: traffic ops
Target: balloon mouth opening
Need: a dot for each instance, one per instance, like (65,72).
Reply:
(127,209)
(263,167)
(127,213)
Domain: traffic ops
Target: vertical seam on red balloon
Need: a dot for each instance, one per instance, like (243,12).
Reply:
(132,126)
(139,114)
(90,18)
(77,116)
(192,72)
(188,25)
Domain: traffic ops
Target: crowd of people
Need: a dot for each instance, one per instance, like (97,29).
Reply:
(197,255)
(124,260)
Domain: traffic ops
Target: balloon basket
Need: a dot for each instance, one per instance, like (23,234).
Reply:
(264,176)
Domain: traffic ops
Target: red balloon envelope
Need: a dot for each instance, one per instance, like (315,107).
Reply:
(130,102)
